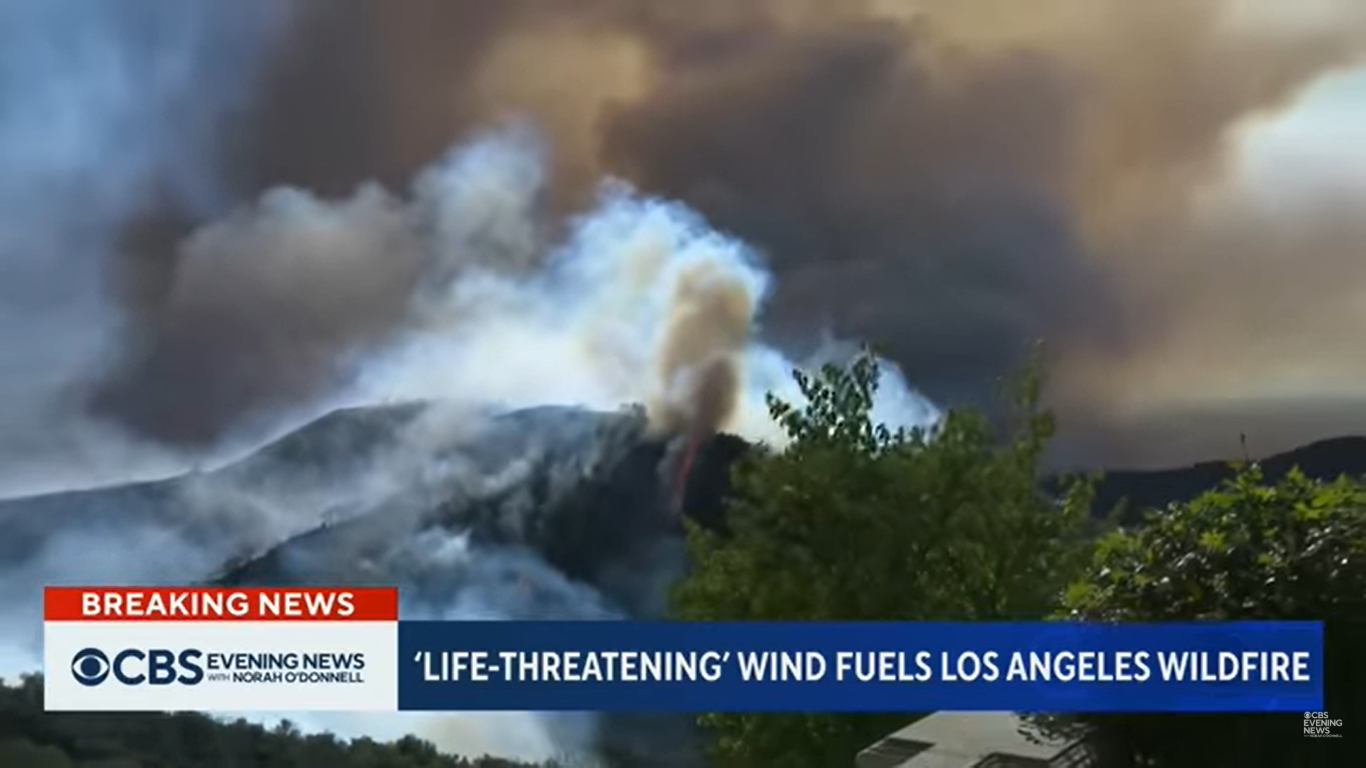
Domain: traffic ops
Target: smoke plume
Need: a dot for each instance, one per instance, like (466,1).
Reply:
(948,180)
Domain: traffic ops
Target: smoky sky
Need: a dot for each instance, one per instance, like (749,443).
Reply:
(895,208)
(948,181)
(95,99)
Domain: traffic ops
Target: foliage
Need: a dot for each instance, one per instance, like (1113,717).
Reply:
(855,521)
(1295,549)
(33,738)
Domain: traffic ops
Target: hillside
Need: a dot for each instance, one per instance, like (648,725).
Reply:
(308,472)
(334,494)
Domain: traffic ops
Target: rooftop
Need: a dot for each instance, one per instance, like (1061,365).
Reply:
(972,740)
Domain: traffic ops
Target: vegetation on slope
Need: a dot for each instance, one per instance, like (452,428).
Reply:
(1249,549)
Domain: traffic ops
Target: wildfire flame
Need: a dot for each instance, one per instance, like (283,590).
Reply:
(684,468)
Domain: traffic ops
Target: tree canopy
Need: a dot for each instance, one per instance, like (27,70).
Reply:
(1295,549)
(853,520)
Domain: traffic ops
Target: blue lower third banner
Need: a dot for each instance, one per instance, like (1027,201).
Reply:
(872,666)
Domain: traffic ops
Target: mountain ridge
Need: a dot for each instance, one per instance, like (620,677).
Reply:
(1153,489)
(340,444)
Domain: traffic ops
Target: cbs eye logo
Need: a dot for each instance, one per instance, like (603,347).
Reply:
(90,667)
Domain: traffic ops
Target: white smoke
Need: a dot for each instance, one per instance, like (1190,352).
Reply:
(505,321)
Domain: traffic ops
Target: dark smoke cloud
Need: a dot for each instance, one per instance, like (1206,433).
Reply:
(894,201)
(216,338)
(260,307)
(361,91)
(949,180)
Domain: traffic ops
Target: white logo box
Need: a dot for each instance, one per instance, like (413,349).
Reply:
(377,689)
(239,638)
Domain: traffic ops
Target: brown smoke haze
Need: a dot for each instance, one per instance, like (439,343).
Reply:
(706,332)
(947,179)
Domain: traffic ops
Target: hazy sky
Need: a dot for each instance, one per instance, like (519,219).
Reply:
(1297,371)
(1167,192)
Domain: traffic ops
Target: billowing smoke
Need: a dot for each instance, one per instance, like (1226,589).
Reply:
(454,291)
(883,181)
(946,179)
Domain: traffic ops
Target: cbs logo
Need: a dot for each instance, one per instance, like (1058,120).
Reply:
(157,666)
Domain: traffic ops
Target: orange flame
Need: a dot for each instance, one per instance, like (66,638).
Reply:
(684,467)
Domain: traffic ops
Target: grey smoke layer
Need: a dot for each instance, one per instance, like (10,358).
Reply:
(101,104)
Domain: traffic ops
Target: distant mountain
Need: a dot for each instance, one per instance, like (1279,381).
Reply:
(1137,489)
(333,481)
(1324,460)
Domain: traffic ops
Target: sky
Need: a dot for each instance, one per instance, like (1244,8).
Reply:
(1166,193)
(1293,166)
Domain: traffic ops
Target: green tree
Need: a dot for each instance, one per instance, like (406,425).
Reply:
(854,521)
(1295,549)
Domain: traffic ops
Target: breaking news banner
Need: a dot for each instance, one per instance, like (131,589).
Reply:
(343,648)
